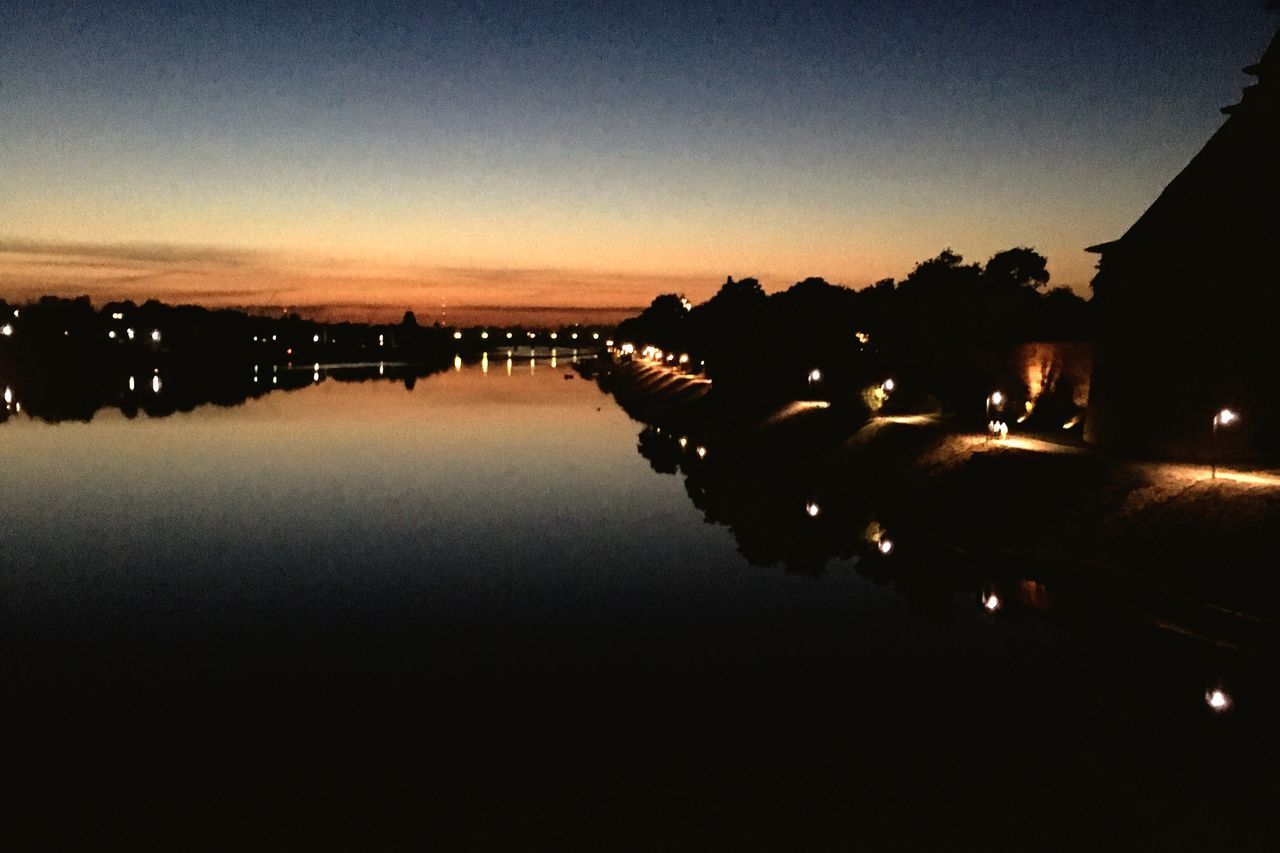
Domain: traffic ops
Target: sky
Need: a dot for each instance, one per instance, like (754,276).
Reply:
(476,160)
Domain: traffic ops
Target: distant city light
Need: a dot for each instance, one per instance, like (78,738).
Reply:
(6,330)
(381,340)
(112,334)
(155,384)
(885,546)
(132,385)
(155,335)
(553,336)
(315,339)
(509,335)
(812,510)
(815,375)
(1226,417)
(114,316)
(991,602)
(684,359)
(1218,700)
(595,336)
(484,336)
(129,332)
(8,395)
(888,385)
(996,398)
(684,442)
(702,452)
(457,362)
(628,349)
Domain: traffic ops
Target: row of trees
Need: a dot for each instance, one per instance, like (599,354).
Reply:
(765,344)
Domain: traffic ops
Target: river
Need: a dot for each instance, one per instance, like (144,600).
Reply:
(466,610)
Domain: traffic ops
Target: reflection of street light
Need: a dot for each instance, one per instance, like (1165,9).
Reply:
(1226,417)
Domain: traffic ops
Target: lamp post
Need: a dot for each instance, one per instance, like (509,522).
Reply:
(995,398)
(1226,417)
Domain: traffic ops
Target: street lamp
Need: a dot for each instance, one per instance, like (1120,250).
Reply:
(1226,417)
(995,398)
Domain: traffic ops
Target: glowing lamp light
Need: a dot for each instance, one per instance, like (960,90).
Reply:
(381,340)
(997,398)
(595,336)
(155,335)
(574,336)
(114,316)
(991,602)
(812,510)
(702,452)
(1227,417)
(112,334)
(628,349)
(885,546)
(815,375)
(8,395)
(553,336)
(155,384)
(684,359)
(457,336)
(1217,700)
(132,384)
(6,330)
(484,336)
(684,442)
(509,335)
(457,362)
(888,385)
(129,332)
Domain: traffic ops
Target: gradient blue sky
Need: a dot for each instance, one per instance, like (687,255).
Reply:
(425,154)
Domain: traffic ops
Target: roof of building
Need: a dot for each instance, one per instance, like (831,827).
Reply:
(1231,189)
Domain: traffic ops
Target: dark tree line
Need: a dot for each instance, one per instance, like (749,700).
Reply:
(768,345)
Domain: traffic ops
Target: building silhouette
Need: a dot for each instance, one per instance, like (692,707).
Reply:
(1189,299)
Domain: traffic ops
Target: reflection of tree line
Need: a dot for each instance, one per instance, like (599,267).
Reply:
(62,359)
(64,392)
(784,511)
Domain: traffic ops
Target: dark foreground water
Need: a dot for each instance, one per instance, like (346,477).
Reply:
(471,614)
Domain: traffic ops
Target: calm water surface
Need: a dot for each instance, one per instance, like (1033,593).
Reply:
(472,612)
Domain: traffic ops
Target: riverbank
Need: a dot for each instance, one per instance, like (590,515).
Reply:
(1054,504)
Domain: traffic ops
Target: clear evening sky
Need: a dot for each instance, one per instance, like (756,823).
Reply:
(371,157)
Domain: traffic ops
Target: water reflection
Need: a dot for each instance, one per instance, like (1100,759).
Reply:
(58,392)
(784,510)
